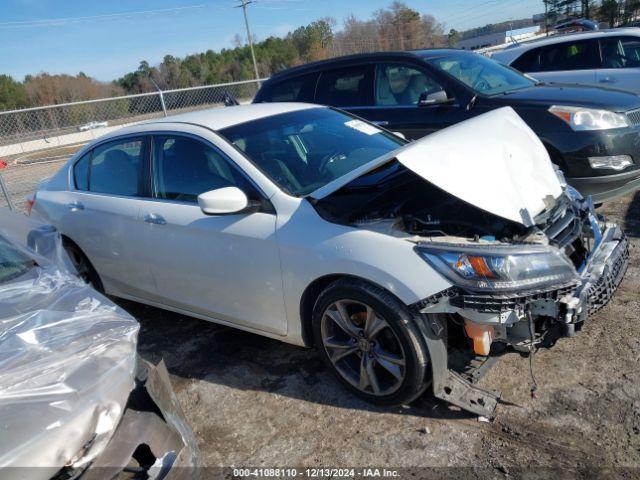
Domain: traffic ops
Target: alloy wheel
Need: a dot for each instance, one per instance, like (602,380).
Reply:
(362,347)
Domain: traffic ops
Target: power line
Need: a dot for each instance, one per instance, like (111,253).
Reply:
(109,16)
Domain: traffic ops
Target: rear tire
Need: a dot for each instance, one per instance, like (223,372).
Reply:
(83,265)
(369,340)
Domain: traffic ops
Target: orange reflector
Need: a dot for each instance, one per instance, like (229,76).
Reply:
(566,116)
(479,264)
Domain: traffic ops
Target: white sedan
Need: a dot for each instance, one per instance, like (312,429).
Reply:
(309,225)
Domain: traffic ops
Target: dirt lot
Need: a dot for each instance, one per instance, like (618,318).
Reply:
(257,402)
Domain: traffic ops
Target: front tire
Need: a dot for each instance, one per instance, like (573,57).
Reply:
(368,338)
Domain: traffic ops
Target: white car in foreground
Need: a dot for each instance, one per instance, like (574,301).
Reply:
(306,224)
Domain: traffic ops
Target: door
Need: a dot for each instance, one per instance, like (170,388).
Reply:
(397,93)
(620,63)
(568,62)
(226,267)
(101,215)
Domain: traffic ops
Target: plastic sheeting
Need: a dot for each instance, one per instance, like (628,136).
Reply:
(67,361)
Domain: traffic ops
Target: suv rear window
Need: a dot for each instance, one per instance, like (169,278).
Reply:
(299,89)
(346,87)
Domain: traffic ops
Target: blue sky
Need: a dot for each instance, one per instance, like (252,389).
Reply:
(105,39)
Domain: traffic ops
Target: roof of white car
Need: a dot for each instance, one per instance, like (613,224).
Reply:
(512,53)
(219,118)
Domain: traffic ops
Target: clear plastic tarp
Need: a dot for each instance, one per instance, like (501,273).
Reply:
(67,355)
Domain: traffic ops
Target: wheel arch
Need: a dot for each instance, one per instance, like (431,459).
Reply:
(313,291)
(66,240)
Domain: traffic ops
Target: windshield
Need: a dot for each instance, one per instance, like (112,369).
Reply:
(13,263)
(304,150)
(482,74)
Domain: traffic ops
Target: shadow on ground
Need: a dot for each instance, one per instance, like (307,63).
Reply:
(632,217)
(196,349)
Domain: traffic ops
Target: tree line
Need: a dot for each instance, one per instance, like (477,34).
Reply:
(613,12)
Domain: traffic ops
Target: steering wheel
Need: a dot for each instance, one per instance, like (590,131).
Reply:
(481,85)
(328,159)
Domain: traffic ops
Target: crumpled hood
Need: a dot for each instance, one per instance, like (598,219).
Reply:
(493,161)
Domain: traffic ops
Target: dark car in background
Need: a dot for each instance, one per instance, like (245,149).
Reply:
(591,133)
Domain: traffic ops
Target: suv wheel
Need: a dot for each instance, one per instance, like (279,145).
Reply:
(369,340)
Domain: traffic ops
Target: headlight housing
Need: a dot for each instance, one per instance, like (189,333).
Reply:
(580,118)
(500,268)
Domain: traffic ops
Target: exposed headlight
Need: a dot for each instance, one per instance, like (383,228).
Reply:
(500,268)
(580,118)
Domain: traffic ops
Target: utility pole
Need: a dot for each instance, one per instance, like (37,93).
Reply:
(546,17)
(244,4)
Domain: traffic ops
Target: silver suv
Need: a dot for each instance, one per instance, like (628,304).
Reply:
(609,58)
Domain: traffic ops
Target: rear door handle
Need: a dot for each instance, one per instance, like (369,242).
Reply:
(381,123)
(155,219)
(75,206)
(608,80)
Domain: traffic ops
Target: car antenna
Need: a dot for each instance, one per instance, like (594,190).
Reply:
(472,102)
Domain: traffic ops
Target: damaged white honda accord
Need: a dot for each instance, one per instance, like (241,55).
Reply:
(309,225)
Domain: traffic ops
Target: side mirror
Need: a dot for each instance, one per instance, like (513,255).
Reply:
(223,201)
(400,134)
(435,98)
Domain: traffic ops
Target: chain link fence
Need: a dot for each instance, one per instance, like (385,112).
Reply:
(29,129)
(35,142)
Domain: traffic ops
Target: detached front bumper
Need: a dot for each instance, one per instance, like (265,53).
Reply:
(600,277)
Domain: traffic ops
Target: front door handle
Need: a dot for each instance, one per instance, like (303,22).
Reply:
(75,206)
(607,80)
(381,123)
(155,219)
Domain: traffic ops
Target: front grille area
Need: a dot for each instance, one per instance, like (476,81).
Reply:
(634,117)
(504,303)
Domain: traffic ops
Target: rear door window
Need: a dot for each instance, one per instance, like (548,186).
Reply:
(116,168)
(576,55)
(346,87)
(528,61)
(299,89)
(620,52)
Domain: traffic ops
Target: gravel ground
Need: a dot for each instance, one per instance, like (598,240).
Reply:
(257,402)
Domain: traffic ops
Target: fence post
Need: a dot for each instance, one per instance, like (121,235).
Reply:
(7,195)
(164,107)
